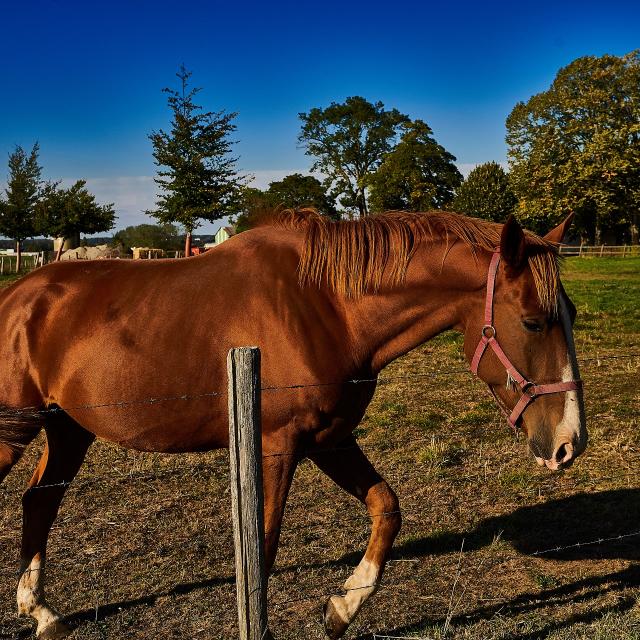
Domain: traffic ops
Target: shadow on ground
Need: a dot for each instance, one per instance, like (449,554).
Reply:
(586,590)
(607,526)
(582,518)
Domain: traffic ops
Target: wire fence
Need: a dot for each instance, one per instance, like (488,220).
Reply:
(35,412)
(276,604)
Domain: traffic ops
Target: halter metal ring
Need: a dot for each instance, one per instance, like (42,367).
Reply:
(492,330)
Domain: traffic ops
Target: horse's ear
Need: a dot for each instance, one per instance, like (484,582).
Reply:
(513,244)
(558,234)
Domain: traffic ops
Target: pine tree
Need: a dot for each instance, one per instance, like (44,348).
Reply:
(17,212)
(197,174)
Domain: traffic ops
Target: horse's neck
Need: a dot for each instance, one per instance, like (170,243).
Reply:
(434,297)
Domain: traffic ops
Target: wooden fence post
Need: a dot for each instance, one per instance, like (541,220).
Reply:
(247,507)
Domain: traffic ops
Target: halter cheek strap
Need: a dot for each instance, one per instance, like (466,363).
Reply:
(529,390)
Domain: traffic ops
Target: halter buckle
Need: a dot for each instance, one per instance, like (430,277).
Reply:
(492,330)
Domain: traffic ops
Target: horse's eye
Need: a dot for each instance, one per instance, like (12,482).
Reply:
(532,325)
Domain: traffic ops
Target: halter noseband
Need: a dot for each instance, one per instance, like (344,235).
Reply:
(529,390)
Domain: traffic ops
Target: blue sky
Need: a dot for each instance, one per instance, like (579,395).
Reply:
(85,79)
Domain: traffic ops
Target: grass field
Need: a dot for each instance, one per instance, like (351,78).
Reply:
(153,558)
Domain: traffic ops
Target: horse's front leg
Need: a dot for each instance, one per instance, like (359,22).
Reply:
(277,473)
(350,469)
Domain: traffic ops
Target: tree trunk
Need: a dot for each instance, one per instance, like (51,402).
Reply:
(18,256)
(598,235)
(187,245)
(59,251)
(64,243)
(633,228)
(362,204)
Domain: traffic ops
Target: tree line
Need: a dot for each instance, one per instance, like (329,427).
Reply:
(572,148)
(32,207)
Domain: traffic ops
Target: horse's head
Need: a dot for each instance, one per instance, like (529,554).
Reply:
(519,340)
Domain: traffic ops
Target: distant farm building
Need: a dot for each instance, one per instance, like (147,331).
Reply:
(222,235)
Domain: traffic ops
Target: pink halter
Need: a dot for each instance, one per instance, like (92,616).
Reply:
(529,390)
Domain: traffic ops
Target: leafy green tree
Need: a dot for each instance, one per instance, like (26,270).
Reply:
(66,213)
(17,212)
(297,190)
(349,141)
(576,147)
(292,191)
(486,193)
(197,174)
(155,236)
(255,203)
(417,175)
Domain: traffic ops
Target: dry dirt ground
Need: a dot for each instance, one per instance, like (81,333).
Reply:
(142,546)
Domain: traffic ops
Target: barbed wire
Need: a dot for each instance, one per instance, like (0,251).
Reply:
(35,411)
(404,512)
(152,475)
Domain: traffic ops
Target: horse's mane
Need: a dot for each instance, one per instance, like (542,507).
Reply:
(353,256)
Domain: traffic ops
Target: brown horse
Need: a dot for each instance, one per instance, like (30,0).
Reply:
(325,301)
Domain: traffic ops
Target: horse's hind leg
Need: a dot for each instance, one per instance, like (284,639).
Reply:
(350,469)
(67,444)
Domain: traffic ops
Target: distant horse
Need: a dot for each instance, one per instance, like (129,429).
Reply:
(326,302)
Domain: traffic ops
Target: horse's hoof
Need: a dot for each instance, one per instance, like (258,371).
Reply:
(54,631)
(334,624)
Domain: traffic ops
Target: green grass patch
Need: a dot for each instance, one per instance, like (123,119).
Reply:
(427,421)
(482,413)
(397,409)
(7,279)
(605,291)
(440,454)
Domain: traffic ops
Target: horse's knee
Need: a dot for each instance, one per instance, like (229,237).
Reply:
(383,505)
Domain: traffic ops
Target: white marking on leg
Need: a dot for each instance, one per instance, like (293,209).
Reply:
(30,595)
(360,586)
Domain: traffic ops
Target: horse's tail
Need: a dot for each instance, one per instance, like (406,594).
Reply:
(17,429)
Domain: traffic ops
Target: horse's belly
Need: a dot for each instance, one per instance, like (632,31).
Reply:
(150,429)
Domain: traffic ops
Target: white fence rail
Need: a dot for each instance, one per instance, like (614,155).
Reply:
(30,260)
(601,250)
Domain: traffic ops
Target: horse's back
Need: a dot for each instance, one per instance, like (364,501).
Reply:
(102,338)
